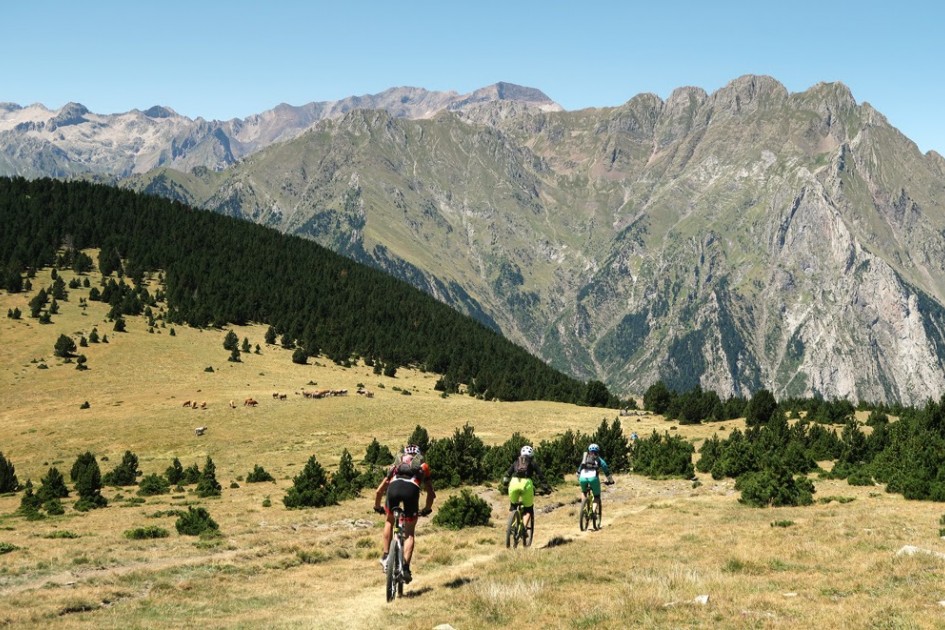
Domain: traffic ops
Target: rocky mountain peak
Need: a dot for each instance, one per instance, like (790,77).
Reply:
(159,111)
(70,114)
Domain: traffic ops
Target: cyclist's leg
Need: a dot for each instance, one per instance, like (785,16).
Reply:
(585,486)
(411,497)
(388,524)
(595,487)
(528,501)
(516,488)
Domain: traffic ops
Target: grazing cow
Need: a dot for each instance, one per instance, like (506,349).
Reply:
(232,404)
(249,402)
(275,395)
(186,403)
(203,405)
(283,397)
(200,431)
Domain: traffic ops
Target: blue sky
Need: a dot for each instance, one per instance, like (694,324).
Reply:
(231,59)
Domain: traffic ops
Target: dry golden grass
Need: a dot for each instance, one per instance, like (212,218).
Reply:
(663,545)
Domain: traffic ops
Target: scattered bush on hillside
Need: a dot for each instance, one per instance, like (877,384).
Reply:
(663,456)
(463,510)
(774,487)
(310,488)
(761,408)
(259,475)
(377,454)
(8,480)
(300,356)
(457,460)
(195,522)
(6,547)
(190,475)
(146,533)
(614,445)
(124,474)
(420,437)
(153,485)
(499,458)
(559,458)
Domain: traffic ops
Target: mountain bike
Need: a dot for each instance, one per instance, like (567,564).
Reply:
(395,558)
(591,512)
(516,532)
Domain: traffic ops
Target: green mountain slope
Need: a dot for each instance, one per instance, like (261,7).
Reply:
(746,238)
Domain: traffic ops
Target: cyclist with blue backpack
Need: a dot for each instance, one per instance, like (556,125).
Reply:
(589,472)
(401,486)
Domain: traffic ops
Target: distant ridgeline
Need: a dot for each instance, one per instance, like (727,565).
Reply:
(221,270)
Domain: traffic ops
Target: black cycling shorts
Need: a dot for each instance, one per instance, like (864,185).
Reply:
(406,493)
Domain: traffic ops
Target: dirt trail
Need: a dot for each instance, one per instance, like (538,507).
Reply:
(364,604)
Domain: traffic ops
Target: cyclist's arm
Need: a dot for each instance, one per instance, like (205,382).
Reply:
(381,490)
(604,466)
(428,488)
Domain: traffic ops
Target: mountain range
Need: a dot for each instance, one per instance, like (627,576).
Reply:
(741,239)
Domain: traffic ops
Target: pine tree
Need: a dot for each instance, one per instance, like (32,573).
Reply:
(208,486)
(52,486)
(309,488)
(270,335)
(64,347)
(230,341)
(124,474)
(246,347)
(8,480)
(345,481)
(174,472)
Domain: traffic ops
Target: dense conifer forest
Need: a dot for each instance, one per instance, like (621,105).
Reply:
(219,270)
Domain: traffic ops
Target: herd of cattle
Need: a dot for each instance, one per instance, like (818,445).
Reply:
(252,402)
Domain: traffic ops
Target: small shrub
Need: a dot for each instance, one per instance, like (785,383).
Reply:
(267,502)
(194,522)
(774,487)
(463,510)
(144,533)
(85,405)
(258,475)
(61,534)
(153,485)
(782,523)
(7,548)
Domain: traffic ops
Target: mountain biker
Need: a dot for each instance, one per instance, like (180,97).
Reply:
(588,472)
(402,487)
(521,486)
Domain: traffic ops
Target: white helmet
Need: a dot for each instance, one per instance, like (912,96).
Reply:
(527,451)
(593,448)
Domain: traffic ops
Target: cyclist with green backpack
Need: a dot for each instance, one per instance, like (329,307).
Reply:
(401,486)
(589,472)
(521,486)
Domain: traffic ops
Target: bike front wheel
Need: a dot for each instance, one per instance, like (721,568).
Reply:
(584,517)
(598,513)
(511,530)
(528,532)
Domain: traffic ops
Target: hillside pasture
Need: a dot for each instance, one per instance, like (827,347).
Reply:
(672,553)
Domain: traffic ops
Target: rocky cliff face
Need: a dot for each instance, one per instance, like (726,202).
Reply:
(745,238)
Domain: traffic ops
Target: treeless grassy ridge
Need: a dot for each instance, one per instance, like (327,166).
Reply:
(664,544)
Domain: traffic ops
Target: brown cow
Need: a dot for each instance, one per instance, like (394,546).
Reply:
(249,402)
(186,403)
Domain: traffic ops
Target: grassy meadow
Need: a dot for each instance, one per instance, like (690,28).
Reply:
(672,553)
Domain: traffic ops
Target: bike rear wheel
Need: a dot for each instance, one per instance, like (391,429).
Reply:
(393,583)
